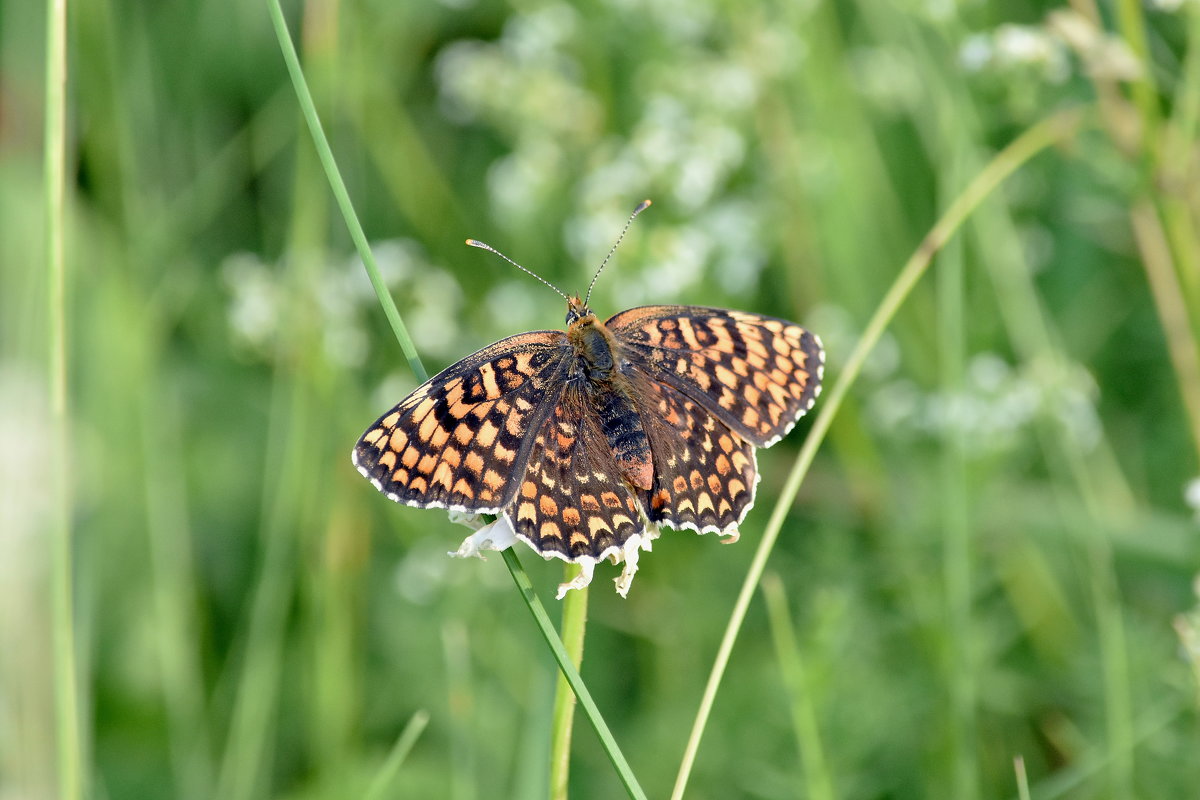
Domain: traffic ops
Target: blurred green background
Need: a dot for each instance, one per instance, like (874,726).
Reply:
(993,556)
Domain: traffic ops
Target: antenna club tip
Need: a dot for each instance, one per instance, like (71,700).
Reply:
(475,243)
(642,206)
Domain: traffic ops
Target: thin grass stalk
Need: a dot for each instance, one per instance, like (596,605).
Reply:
(1055,129)
(959,676)
(818,781)
(574,626)
(62,569)
(309,109)
(541,619)
(624,772)
(391,766)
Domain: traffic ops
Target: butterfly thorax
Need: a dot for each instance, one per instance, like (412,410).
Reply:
(597,371)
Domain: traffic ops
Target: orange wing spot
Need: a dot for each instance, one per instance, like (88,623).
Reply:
(400,476)
(736,487)
(579,539)
(427,463)
(487,433)
(492,480)
(697,479)
(388,459)
(704,501)
(684,504)
(781,345)
(689,334)
(526,511)
(723,508)
(773,325)
(504,362)
(428,426)
(505,454)
(727,400)
(398,440)
(722,465)
(682,366)
(443,475)
(725,376)
(564,442)
(610,499)
(463,488)
(550,531)
(390,420)
(439,438)
(371,437)
(780,377)
(528,489)
(751,394)
(588,502)
(785,364)
(660,499)
(570,516)
(409,458)
(474,462)
(463,435)
(680,484)
(620,520)
(418,484)
(515,424)
(548,507)
(755,349)
(740,462)
(487,373)
(775,413)
(750,418)
(714,484)
(523,405)
(503,407)
(452,457)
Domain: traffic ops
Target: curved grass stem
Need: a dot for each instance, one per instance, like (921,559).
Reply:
(569,670)
(1055,129)
(574,625)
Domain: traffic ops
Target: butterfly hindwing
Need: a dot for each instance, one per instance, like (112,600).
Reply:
(461,439)
(572,502)
(756,374)
(705,473)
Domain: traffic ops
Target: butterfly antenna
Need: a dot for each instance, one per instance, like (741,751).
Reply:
(488,247)
(642,206)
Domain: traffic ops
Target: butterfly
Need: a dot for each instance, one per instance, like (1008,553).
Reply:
(586,440)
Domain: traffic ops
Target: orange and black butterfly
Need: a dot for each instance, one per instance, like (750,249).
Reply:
(585,440)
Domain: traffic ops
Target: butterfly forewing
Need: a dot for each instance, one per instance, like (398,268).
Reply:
(756,374)
(461,439)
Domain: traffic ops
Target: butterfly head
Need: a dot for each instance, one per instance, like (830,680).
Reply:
(577,310)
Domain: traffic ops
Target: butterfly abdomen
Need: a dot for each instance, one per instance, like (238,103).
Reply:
(609,393)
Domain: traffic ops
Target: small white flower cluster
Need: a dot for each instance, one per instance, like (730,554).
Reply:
(1011,46)
(685,133)
(260,296)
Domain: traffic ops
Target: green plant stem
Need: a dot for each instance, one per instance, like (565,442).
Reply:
(391,767)
(325,154)
(572,675)
(66,679)
(574,625)
(1037,138)
(401,332)
(818,782)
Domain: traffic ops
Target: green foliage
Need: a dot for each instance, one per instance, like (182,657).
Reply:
(992,556)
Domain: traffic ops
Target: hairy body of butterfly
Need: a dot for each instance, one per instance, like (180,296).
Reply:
(585,441)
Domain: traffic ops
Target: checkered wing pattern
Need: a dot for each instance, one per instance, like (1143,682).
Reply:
(705,473)
(758,375)
(460,440)
(572,502)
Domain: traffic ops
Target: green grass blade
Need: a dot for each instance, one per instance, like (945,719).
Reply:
(574,626)
(309,109)
(66,679)
(1037,138)
(400,750)
(572,675)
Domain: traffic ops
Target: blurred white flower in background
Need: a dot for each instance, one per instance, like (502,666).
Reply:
(1191,496)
